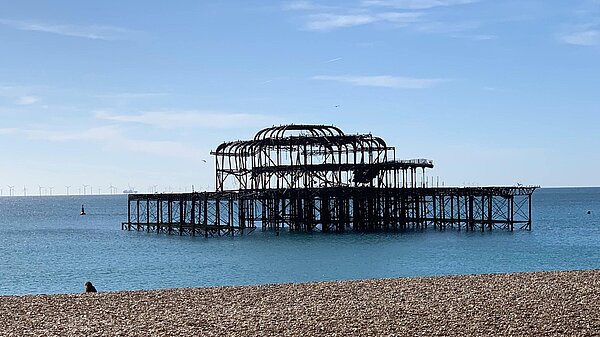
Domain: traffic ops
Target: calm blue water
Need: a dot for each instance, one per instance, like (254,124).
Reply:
(46,247)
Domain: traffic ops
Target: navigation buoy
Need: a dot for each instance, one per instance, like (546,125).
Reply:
(82,211)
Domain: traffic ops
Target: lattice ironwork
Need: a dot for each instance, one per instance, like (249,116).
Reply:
(317,178)
(313,156)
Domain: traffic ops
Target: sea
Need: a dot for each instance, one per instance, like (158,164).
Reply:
(46,247)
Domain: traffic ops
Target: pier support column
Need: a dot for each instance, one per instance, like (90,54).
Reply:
(529,212)
(435,209)
(511,210)
(471,222)
(137,213)
(129,213)
(193,216)
(205,215)
(181,215)
(490,219)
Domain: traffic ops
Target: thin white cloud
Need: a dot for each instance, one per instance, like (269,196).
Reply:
(18,91)
(101,133)
(400,17)
(162,148)
(97,133)
(133,95)
(588,38)
(326,22)
(111,138)
(415,4)
(304,6)
(9,88)
(475,37)
(9,131)
(415,15)
(384,81)
(447,27)
(322,22)
(584,29)
(87,32)
(181,119)
(27,100)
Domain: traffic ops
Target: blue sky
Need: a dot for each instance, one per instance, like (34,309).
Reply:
(137,93)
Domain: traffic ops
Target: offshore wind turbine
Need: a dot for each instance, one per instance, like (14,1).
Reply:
(85,188)
(67,187)
(50,188)
(130,190)
(24,191)
(11,190)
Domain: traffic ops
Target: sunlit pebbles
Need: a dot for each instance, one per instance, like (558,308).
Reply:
(522,304)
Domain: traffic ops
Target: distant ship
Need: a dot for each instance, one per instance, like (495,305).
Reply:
(131,190)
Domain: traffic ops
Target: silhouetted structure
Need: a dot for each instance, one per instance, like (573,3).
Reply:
(316,178)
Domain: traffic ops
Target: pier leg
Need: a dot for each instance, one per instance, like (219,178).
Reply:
(181,215)
(470,210)
(205,213)
(137,213)
(435,217)
(482,213)
(129,214)
(193,216)
(511,214)
(529,213)
(231,229)
(490,220)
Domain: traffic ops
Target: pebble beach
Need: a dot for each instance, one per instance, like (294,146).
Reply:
(563,303)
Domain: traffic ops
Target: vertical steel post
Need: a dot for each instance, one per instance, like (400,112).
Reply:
(137,202)
(129,212)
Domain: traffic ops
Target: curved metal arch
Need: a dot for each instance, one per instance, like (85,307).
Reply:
(279,132)
(307,156)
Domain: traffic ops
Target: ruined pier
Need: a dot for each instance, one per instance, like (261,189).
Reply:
(310,178)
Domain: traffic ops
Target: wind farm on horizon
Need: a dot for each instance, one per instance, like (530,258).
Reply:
(110,189)
(88,189)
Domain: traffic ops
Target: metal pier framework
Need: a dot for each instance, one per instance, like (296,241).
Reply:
(316,178)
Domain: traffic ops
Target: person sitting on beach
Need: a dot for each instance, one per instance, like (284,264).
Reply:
(89,287)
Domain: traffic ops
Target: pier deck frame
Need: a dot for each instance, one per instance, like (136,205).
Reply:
(206,214)
(331,210)
(317,178)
